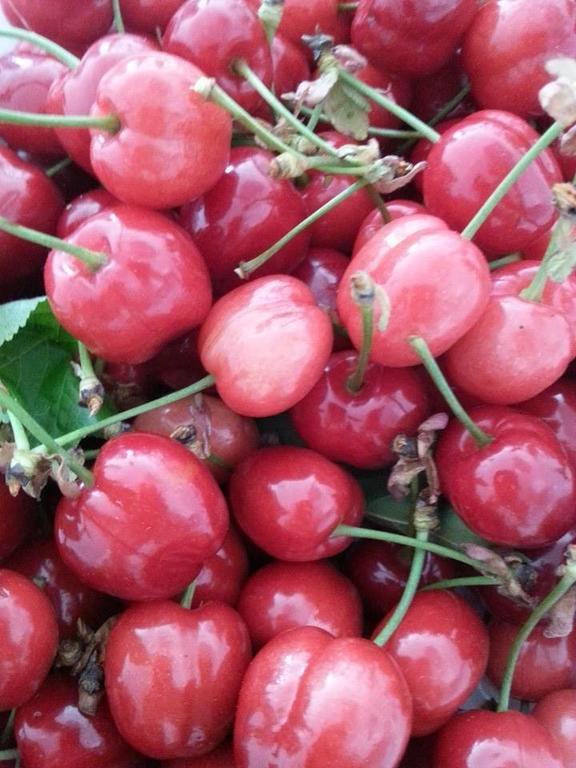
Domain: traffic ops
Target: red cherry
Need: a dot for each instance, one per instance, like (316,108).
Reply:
(469,161)
(173,676)
(172,151)
(556,406)
(113,310)
(243,214)
(148,15)
(51,731)
(436,282)
(414,38)
(316,701)
(322,270)
(81,208)
(358,428)
(396,88)
(224,573)
(221,757)
(290,65)
(266,343)
(28,638)
(433,92)
(557,713)
(373,222)
(136,522)
(519,490)
(441,647)
(545,664)
(482,739)
(283,596)
(178,363)
(16,520)
(306,17)
(288,500)
(505,57)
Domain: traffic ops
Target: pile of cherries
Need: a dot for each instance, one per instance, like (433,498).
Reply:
(276,326)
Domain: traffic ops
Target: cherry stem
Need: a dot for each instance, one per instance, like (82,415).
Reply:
(71,438)
(93,259)
(389,133)
(416,568)
(363,296)
(407,541)
(566,583)
(315,115)
(547,138)
(512,258)
(55,50)
(57,167)
(86,362)
(245,268)
(188,596)
(118,20)
(464,581)
(421,349)
(20,435)
(379,98)
(10,404)
(108,123)
(8,754)
(8,728)
(536,288)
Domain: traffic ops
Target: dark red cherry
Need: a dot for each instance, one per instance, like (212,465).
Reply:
(322,270)
(433,92)
(556,406)
(16,520)
(224,573)
(557,713)
(148,15)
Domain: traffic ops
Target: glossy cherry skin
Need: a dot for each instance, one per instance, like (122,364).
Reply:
(288,500)
(51,731)
(213,34)
(519,490)
(374,222)
(283,596)
(556,406)
(515,351)
(358,428)
(24,82)
(305,17)
(482,739)
(173,676)
(309,700)
(16,520)
(223,438)
(82,208)
(412,258)
(172,151)
(289,64)
(28,638)
(74,93)
(557,713)
(70,597)
(468,163)
(431,93)
(244,213)
(148,15)
(414,37)
(322,270)
(441,647)
(68,23)
(266,343)
(114,310)
(505,56)
(224,573)
(221,757)
(135,523)
(545,664)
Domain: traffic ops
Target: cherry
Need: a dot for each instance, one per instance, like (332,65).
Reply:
(358,428)
(310,699)
(414,38)
(556,406)
(24,82)
(82,208)
(288,500)
(283,596)
(173,676)
(308,17)
(374,222)
(148,15)
(433,92)
(243,333)
(322,270)
(289,64)
(244,213)
(221,757)
(519,489)
(135,523)
(411,258)
(396,88)
(176,148)
(467,164)
(212,34)
(482,739)
(52,732)
(505,57)
(16,520)
(178,363)
(28,637)
(112,310)
(441,647)
(223,574)
(545,664)
(557,713)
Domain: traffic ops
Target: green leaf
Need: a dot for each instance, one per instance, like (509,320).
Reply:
(454,532)
(35,367)
(347,110)
(14,316)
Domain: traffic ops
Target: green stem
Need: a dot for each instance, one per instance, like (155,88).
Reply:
(71,438)
(52,48)
(85,362)
(407,541)
(510,179)
(464,581)
(108,123)
(416,568)
(355,381)
(118,20)
(57,167)
(421,348)
(8,754)
(93,259)
(315,115)
(567,581)
(383,101)
(20,435)
(188,596)
(246,268)
(29,422)
(512,258)
(449,106)
(535,290)
(393,133)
